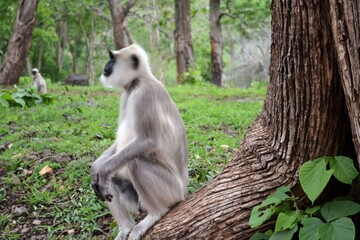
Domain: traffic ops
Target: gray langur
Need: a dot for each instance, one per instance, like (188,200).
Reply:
(146,168)
(38,81)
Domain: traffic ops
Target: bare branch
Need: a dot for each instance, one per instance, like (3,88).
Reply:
(129,4)
(146,19)
(100,13)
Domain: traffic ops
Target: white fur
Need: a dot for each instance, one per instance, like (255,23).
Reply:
(123,73)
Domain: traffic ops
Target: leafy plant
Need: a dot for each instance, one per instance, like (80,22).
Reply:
(23,97)
(328,221)
(193,76)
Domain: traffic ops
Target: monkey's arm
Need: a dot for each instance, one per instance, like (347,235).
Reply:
(95,168)
(135,149)
(105,155)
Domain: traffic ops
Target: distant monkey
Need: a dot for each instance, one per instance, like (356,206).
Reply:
(38,81)
(146,168)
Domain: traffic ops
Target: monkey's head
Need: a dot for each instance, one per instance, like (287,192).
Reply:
(124,66)
(34,72)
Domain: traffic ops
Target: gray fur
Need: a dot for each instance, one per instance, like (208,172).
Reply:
(150,155)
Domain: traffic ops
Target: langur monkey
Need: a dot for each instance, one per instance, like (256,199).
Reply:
(38,81)
(146,168)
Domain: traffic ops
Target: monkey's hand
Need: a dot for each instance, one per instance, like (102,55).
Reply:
(100,184)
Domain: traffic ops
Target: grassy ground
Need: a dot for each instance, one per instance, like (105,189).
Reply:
(71,132)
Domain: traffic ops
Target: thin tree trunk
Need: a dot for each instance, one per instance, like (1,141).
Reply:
(28,65)
(216,42)
(19,44)
(90,42)
(183,41)
(40,53)
(304,117)
(60,28)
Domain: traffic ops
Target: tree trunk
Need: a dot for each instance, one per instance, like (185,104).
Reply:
(118,16)
(183,41)
(345,26)
(61,32)
(89,37)
(40,53)
(304,117)
(19,44)
(216,42)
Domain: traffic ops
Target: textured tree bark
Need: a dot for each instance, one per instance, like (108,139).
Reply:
(345,25)
(216,42)
(304,117)
(118,16)
(19,44)
(183,41)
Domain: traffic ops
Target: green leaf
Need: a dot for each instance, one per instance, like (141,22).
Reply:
(258,216)
(313,178)
(342,228)
(339,209)
(311,211)
(4,103)
(287,220)
(20,101)
(277,197)
(310,228)
(6,96)
(284,235)
(259,236)
(344,169)
(267,208)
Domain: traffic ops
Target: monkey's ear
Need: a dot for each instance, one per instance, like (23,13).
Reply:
(111,55)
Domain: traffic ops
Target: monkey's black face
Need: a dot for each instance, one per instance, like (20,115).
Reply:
(109,68)
(109,65)
(33,73)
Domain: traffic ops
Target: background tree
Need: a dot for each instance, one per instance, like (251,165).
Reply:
(184,52)
(19,44)
(121,33)
(216,42)
(310,111)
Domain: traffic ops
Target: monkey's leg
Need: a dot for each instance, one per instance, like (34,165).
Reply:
(157,188)
(118,210)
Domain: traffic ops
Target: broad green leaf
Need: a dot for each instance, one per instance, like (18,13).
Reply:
(4,103)
(258,216)
(277,197)
(311,211)
(259,236)
(339,209)
(284,235)
(20,101)
(310,228)
(342,228)
(6,96)
(344,169)
(267,208)
(313,178)
(286,220)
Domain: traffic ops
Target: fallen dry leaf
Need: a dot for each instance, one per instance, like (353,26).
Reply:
(46,170)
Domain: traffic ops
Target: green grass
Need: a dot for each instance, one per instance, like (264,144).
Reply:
(80,124)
